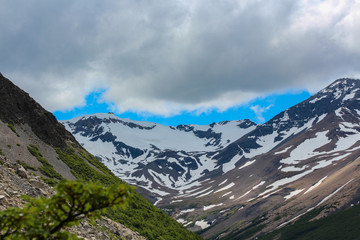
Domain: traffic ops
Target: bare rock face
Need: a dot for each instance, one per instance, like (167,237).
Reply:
(17,107)
(15,181)
(21,172)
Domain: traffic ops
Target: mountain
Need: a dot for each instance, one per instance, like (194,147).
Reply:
(32,138)
(158,158)
(237,178)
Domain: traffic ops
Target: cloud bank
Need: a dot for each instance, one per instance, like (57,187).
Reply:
(165,57)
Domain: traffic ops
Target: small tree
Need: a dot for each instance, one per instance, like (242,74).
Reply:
(45,218)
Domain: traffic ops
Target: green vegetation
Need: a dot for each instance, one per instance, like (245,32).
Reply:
(342,225)
(140,216)
(82,170)
(13,129)
(47,169)
(45,218)
(149,221)
(1,153)
(50,181)
(26,166)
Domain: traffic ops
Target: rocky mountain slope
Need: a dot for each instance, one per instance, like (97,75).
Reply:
(16,181)
(32,137)
(226,178)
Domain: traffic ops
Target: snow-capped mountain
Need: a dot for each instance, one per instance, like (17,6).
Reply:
(159,158)
(304,157)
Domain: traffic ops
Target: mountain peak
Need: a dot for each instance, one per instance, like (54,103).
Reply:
(17,107)
(341,87)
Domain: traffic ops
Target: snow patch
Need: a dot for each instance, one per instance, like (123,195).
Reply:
(226,194)
(187,210)
(223,182)
(253,188)
(248,163)
(226,167)
(202,224)
(212,206)
(293,169)
(349,96)
(283,151)
(293,193)
(205,194)
(317,99)
(226,187)
(315,185)
(307,149)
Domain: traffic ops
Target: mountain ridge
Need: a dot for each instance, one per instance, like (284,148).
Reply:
(310,145)
(17,107)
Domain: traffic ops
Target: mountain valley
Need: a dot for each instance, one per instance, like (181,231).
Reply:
(36,152)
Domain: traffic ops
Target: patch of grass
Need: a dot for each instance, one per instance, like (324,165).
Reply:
(47,169)
(18,144)
(13,129)
(81,169)
(50,181)
(1,153)
(26,166)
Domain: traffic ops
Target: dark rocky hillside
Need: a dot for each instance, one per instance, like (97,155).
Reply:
(17,107)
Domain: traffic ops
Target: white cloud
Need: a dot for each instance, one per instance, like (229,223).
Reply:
(259,111)
(165,57)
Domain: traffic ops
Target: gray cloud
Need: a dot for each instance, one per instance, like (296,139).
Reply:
(167,56)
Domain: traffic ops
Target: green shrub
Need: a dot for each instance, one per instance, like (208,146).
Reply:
(82,170)
(45,218)
(13,129)
(47,169)
(50,181)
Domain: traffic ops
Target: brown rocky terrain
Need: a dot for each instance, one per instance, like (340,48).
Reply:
(15,181)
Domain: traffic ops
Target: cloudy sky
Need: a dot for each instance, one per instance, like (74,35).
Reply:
(177,60)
